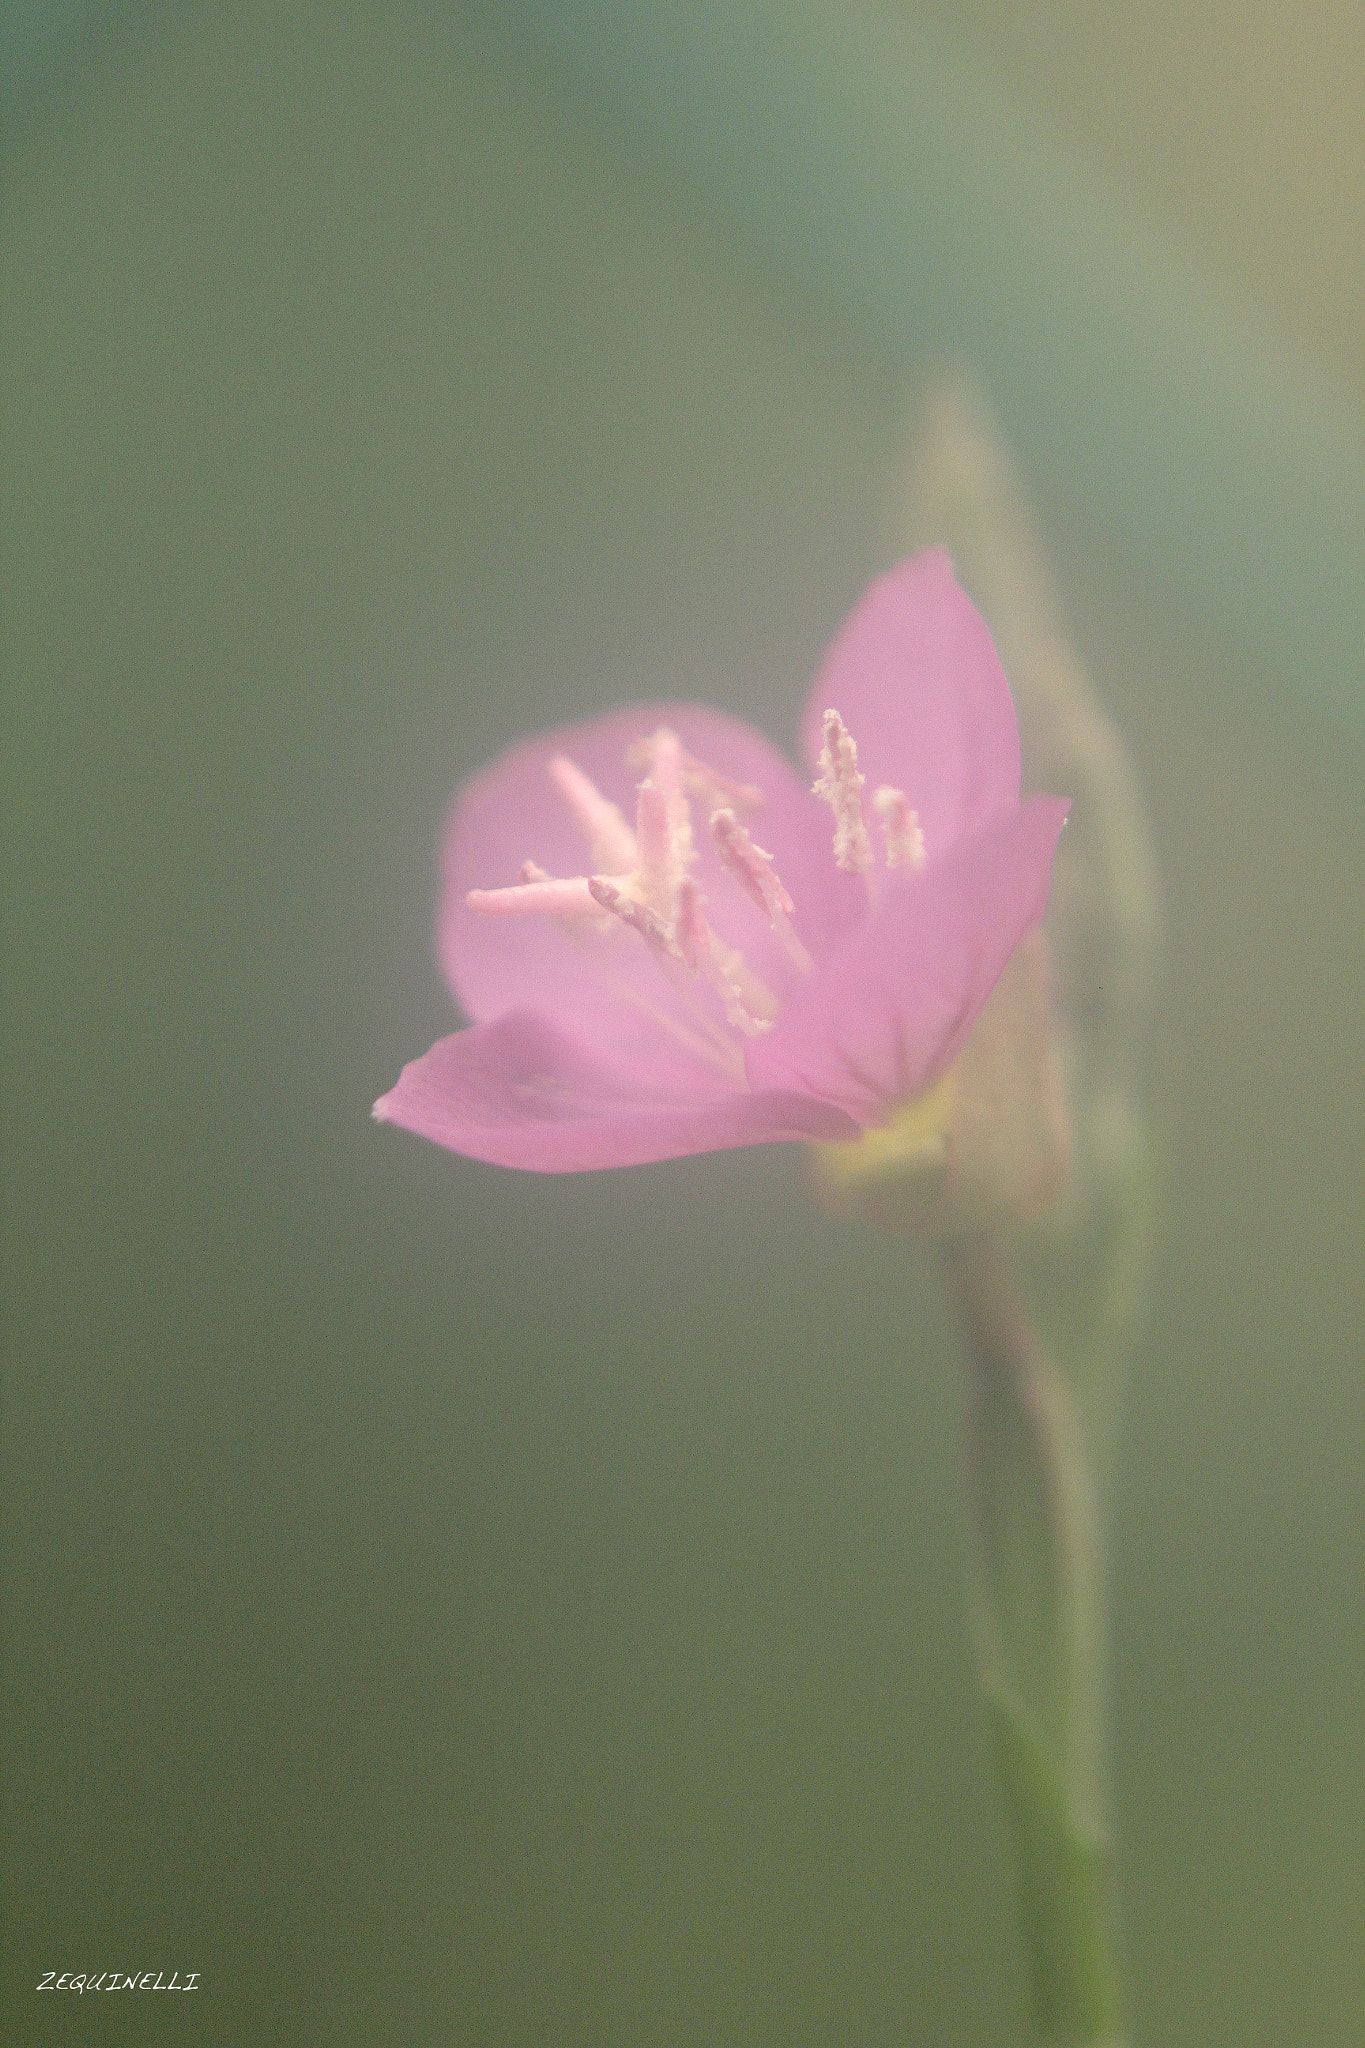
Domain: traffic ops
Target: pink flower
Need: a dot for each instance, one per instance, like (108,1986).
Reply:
(668,943)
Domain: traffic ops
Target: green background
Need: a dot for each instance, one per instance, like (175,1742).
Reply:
(444,1605)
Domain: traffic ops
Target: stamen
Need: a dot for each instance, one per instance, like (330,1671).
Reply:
(610,840)
(652,875)
(707,782)
(638,916)
(749,1006)
(556,899)
(645,885)
(753,869)
(900,828)
(735,986)
(749,865)
(693,932)
(700,779)
(667,773)
(841,787)
(693,947)
(573,922)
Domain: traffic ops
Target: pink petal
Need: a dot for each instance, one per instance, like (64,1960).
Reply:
(914,674)
(610,992)
(888,1009)
(521,1092)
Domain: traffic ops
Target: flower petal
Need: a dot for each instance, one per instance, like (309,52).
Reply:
(890,1006)
(521,1092)
(914,674)
(605,987)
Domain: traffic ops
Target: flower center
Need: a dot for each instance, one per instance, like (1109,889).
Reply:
(642,879)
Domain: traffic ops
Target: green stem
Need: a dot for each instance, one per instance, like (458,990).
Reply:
(1036,1584)
(1065,1887)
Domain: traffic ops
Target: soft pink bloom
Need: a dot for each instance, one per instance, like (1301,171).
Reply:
(670,943)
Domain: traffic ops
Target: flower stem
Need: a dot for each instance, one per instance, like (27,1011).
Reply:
(1036,1589)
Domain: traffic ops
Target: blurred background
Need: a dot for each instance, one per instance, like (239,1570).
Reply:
(447,1605)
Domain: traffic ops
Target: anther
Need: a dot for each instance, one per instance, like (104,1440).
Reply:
(700,779)
(708,782)
(638,916)
(644,883)
(841,786)
(753,869)
(749,1006)
(576,921)
(749,865)
(653,876)
(693,933)
(611,843)
(557,899)
(667,774)
(900,828)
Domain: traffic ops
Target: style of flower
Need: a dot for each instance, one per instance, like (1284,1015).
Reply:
(666,951)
